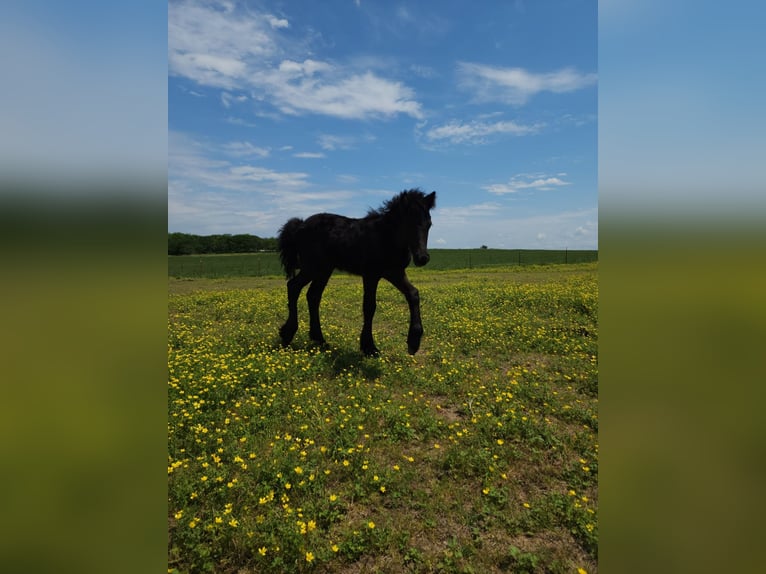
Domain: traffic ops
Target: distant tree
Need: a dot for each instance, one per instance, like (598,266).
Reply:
(189,244)
(484,247)
(183,244)
(270,244)
(244,243)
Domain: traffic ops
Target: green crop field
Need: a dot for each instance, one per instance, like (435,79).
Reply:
(267,263)
(477,454)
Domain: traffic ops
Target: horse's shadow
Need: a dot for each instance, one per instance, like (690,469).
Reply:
(345,360)
(339,360)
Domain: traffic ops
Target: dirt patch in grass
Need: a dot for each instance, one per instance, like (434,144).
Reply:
(449,413)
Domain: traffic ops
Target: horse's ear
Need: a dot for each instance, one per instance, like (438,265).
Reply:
(431,200)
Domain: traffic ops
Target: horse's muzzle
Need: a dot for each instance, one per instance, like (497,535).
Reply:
(421,260)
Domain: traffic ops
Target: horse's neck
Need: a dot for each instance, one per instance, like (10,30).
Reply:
(394,232)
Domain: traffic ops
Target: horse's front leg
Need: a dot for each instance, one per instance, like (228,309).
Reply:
(294,287)
(412,295)
(366,341)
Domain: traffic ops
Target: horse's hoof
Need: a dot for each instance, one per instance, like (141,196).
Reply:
(287,333)
(413,342)
(322,345)
(371,352)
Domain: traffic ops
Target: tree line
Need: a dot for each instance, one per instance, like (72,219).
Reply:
(189,244)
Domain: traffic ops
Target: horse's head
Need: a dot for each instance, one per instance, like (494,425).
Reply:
(418,225)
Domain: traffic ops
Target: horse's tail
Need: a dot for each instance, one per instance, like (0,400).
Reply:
(287,240)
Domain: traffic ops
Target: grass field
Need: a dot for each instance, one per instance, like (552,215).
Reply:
(478,454)
(264,264)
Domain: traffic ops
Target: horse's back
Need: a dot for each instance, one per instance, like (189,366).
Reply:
(330,240)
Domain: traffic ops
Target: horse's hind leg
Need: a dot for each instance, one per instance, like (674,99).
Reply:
(369,304)
(294,288)
(314,297)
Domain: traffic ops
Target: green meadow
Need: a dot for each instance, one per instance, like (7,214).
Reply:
(477,454)
(267,263)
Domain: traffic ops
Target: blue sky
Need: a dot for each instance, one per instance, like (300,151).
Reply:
(281,109)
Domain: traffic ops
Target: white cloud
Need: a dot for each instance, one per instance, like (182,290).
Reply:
(278,22)
(211,43)
(476,132)
(220,45)
(465,214)
(516,85)
(403,14)
(239,122)
(248,173)
(425,72)
(332,142)
(194,162)
(291,69)
(207,193)
(228,99)
(244,149)
(309,155)
(527,181)
(347,179)
(352,97)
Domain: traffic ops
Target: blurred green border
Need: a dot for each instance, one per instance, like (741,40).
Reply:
(682,306)
(84,307)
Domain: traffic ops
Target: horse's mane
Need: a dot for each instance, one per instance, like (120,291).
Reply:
(393,205)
